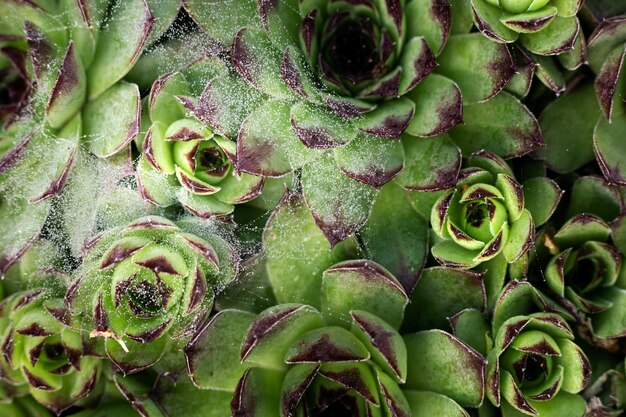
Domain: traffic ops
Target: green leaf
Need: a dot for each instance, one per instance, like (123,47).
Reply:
(455,291)
(275,332)
(258,394)
(428,404)
(530,21)
(567,126)
(371,160)
(609,34)
(225,102)
(581,229)
(473,328)
(450,254)
(271,149)
(203,206)
(340,205)
(361,285)
(318,127)
(112,120)
(549,73)
(218,19)
(120,43)
(430,164)
(297,252)
(593,195)
(541,197)
(441,363)
(327,344)
(163,105)
(417,61)
(576,366)
(479,66)
(609,147)
(521,237)
(431,19)
(164,13)
(258,61)
(558,37)
(562,404)
(487,20)
(382,341)
(396,236)
(388,120)
(438,108)
(502,125)
(69,92)
(157,188)
(214,354)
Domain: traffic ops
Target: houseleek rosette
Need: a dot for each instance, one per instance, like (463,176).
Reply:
(587,271)
(42,355)
(534,365)
(345,357)
(544,27)
(146,287)
(183,160)
(483,216)
(69,57)
(339,82)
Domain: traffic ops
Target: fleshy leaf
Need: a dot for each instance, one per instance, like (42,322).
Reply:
(430,164)
(218,18)
(340,205)
(271,149)
(609,148)
(68,94)
(457,291)
(119,44)
(428,403)
(396,236)
(541,197)
(361,285)
(438,108)
(567,126)
(480,67)
(112,120)
(502,125)
(370,159)
(441,363)
(297,252)
(558,37)
(275,331)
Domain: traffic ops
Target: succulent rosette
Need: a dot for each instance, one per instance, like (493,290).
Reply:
(483,216)
(42,355)
(545,27)
(534,366)
(183,160)
(339,82)
(587,271)
(145,287)
(346,356)
(68,59)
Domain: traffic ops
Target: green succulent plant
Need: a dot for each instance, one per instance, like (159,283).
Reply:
(146,287)
(335,118)
(534,366)
(42,355)
(483,216)
(67,60)
(587,271)
(545,27)
(183,160)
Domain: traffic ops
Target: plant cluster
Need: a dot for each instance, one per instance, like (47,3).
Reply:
(298,208)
